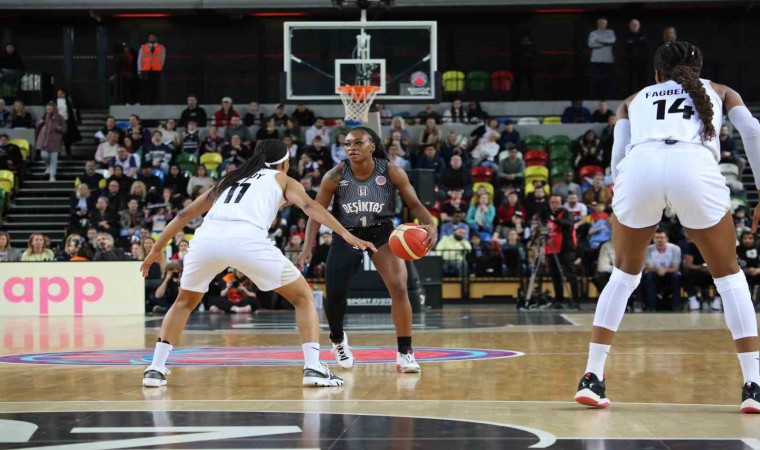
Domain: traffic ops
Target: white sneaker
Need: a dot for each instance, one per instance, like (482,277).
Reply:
(717,304)
(153,377)
(343,355)
(406,363)
(693,304)
(320,377)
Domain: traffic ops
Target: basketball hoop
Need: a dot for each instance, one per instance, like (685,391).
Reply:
(357,100)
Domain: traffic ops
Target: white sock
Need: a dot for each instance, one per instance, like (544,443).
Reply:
(160,355)
(597,355)
(750,362)
(311,354)
(614,298)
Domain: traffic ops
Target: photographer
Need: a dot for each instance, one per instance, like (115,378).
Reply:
(74,250)
(105,249)
(237,296)
(561,242)
(163,298)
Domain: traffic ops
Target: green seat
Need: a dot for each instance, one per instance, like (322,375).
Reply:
(737,201)
(477,80)
(2,204)
(187,162)
(535,140)
(558,139)
(560,153)
(559,170)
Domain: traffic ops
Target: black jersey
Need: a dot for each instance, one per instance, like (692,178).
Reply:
(748,257)
(361,204)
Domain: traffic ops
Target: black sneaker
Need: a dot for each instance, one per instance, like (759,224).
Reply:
(154,378)
(750,398)
(320,377)
(591,392)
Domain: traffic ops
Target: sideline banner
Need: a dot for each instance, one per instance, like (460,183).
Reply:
(71,289)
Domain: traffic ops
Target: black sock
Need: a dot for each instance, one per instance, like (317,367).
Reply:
(163,341)
(336,338)
(404,344)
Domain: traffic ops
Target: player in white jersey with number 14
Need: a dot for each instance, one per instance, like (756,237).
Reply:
(240,207)
(666,154)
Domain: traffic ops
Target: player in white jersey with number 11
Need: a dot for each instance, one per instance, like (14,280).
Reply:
(666,154)
(241,206)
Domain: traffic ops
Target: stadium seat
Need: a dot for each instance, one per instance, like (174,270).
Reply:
(501,80)
(589,171)
(558,139)
(737,201)
(7,181)
(477,80)
(2,203)
(552,120)
(482,173)
(730,171)
(560,169)
(530,189)
(214,174)
(504,154)
(537,171)
(560,153)
(23,145)
(211,161)
(534,142)
(187,162)
(453,81)
(536,158)
(522,121)
(489,188)
(736,188)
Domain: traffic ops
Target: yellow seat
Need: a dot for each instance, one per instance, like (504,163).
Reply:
(23,145)
(7,181)
(529,187)
(453,81)
(436,221)
(211,160)
(552,120)
(537,172)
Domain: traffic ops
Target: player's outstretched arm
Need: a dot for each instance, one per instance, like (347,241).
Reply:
(401,181)
(201,205)
(295,194)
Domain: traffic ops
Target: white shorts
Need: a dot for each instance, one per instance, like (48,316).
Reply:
(683,177)
(217,246)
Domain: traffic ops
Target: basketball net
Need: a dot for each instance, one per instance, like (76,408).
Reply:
(357,100)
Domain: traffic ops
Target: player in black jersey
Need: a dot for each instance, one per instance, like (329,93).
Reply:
(363,188)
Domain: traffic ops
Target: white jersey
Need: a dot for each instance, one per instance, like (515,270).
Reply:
(664,112)
(254,200)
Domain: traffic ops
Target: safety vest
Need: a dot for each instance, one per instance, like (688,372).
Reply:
(152,62)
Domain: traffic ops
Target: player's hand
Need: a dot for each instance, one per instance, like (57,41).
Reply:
(432,236)
(304,258)
(362,245)
(153,257)
(755,219)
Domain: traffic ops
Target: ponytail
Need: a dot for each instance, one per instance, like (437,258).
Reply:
(268,151)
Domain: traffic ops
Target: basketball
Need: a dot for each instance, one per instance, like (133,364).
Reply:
(406,242)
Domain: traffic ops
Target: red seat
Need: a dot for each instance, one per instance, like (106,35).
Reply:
(482,173)
(536,158)
(590,171)
(501,80)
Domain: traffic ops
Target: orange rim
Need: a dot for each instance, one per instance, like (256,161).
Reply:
(358,92)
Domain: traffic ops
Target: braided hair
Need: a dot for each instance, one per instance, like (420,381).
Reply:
(267,152)
(681,62)
(379,146)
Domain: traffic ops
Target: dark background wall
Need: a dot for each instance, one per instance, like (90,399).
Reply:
(215,54)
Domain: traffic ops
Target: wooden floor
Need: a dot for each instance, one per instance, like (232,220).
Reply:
(673,379)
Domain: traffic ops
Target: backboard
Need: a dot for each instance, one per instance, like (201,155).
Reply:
(398,57)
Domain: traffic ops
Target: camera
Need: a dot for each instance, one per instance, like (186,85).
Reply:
(78,242)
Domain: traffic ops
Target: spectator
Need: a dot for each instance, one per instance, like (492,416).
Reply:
(157,153)
(294,150)
(576,113)
(37,249)
(319,153)
(578,210)
(304,116)
(5,115)
(741,221)
(81,203)
(268,132)
(597,192)
(728,149)
(536,204)
(49,138)
(600,232)
(430,135)
(124,182)
(110,127)
(74,249)
(385,114)
(509,136)
(318,261)
(20,117)
(127,162)
(190,142)
(475,113)
(165,294)
(696,275)
(237,296)
(428,113)
(604,265)
(431,160)
(181,252)
(236,150)
(746,252)
(107,149)
(338,129)
(157,217)
(561,242)
(279,116)
(483,259)
(194,224)
(150,66)
(308,167)
(125,73)
(338,150)
(567,186)
(456,220)
(453,249)
(510,206)
(103,218)
(514,254)
(398,126)
(106,250)
(169,135)
(663,263)
(193,112)
(10,156)
(152,183)
(138,254)
(607,139)
(669,34)
(636,56)
(131,219)
(175,179)
(253,117)
(293,247)
(94,180)
(223,117)
(601,42)
(199,183)
(599,213)
(481,133)
(293,129)
(512,169)
(213,142)
(485,152)
(455,176)
(602,113)
(317,129)
(455,114)
(139,191)
(480,216)
(524,53)
(71,117)
(454,145)
(454,205)
(237,128)
(11,60)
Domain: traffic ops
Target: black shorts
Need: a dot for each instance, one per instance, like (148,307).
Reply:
(377,234)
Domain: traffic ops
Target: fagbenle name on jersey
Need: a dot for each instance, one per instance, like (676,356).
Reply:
(666,93)
(361,207)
